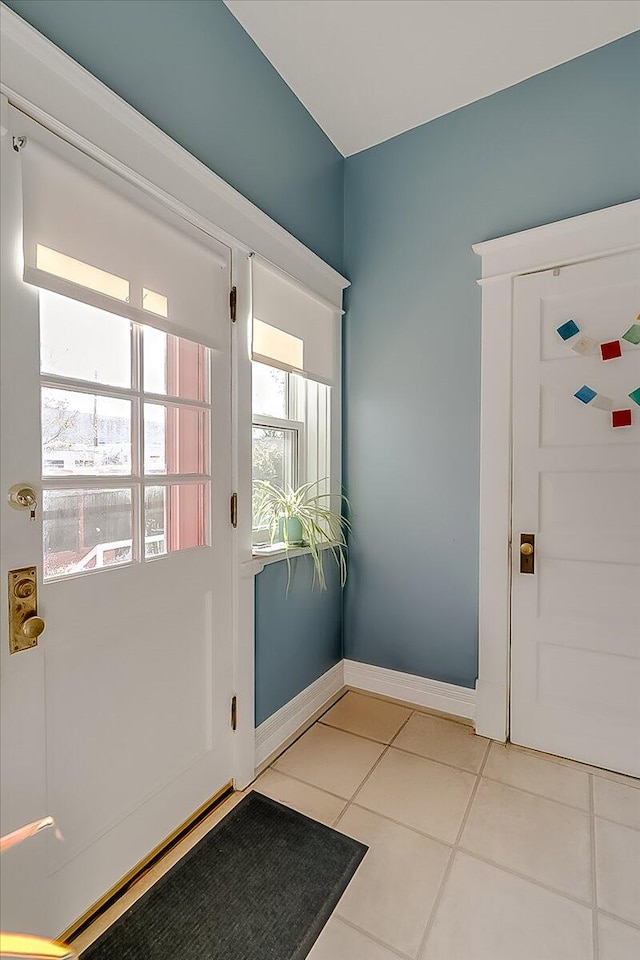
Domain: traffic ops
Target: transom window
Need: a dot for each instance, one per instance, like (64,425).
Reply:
(126,420)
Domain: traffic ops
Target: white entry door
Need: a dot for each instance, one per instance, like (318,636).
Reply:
(575,655)
(118,722)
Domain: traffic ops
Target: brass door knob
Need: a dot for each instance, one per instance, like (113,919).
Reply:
(526,549)
(32,627)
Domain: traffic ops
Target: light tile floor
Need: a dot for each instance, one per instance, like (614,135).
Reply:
(477,851)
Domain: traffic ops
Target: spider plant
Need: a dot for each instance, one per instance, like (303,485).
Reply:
(321,528)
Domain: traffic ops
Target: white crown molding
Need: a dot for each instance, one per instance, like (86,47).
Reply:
(275,733)
(600,233)
(433,694)
(46,84)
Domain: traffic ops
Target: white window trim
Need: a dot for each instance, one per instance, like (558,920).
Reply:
(602,233)
(50,87)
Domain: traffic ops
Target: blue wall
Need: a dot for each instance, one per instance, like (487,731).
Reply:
(560,144)
(557,145)
(190,67)
(298,634)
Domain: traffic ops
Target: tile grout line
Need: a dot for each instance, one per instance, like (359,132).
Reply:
(353,802)
(526,877)
(375,765)
(624,779)
(540,796)
(401,823)
(449,866)
(307,783)
(371,936)
(622,920)
(451,766)
(491,863)
(522,876)
(594,885)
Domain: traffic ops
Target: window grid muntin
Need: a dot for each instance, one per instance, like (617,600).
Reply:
(137,481)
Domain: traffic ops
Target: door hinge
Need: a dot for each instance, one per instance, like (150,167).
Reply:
(234,712)
(233,509)
(233,303)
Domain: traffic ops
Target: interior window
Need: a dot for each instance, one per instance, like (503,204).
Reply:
(291,416)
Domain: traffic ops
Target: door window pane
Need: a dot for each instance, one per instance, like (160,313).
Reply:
(188,515)
(83,433)
(269,391)
(175,517)
(174,366)
(86,529)
(82,342)
(155,521)
(176,439)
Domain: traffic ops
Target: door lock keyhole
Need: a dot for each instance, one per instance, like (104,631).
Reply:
(23,497)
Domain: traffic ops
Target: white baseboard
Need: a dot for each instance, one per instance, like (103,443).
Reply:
(274,733)
(433,694)
(276,729)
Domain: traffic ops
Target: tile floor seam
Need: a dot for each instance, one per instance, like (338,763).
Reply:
(307,783)
(341,815)
(617,823)
(451,859)
(376,764)
(362,782)
(594,885)
(371,936)
(302,733)
(401,727)
(363,736)
(623,920)
(422,756)
(400,823)
(601,772)
(540,796)
(527,877)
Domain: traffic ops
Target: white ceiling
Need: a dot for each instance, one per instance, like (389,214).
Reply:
(367,70)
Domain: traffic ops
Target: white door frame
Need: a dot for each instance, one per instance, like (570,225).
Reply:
(47,85)
(601,233)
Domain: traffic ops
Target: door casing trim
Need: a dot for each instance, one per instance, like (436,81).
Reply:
(592,235)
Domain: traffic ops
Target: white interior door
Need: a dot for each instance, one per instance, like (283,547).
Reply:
(575,648)
(118,722)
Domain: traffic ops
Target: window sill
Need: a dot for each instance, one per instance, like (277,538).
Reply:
(275,552)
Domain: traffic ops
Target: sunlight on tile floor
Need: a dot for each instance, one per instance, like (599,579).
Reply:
(477,851)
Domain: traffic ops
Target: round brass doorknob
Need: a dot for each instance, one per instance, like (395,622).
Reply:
(32,627)
(526,549)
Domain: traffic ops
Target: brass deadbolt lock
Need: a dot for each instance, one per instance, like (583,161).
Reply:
(25,626)
(23,497)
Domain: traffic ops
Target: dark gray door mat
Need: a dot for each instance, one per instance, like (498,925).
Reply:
(260,886)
